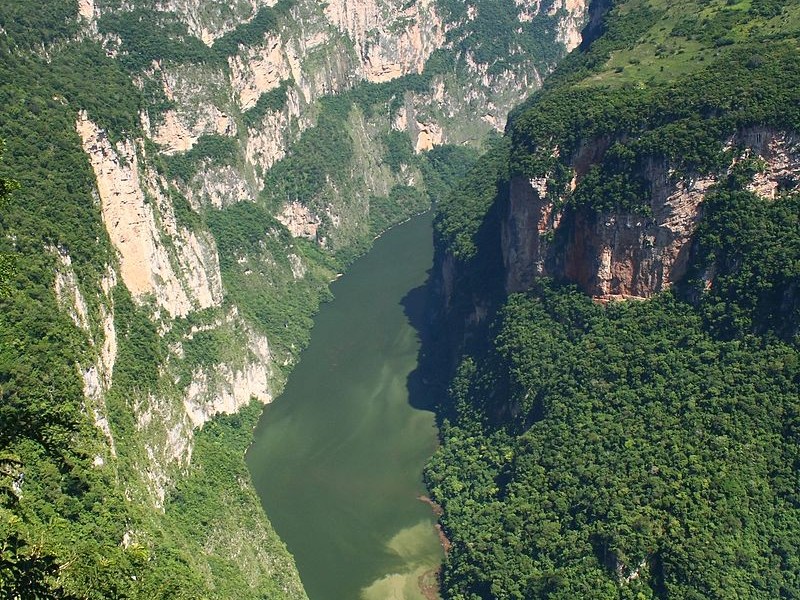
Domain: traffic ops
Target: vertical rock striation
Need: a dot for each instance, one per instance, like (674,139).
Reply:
(613,255)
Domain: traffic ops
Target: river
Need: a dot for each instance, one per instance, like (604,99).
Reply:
(337,458)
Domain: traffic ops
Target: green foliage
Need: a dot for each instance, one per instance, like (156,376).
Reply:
(399,151)
(40,103)
(140,350)
(26,571)
(618,183)
(444,167)
(461,213)
(403,201)
(322,154)
(639,450)
(628,441)
(31,26)
(767,8)
(148,36)
(210,150)
(185,215)
(211,497)
(239,230)
(114,106)
(7,186)
(497,37)
(751,250)
(271,101)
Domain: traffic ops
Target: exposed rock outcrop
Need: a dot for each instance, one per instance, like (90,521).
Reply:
(67,290)
(620,254)
(218,187)
(391,37)
(258,70)
(299,220)
(199,96)
(225,388)
(86,9)
(428,135)
(781,154)
(97,375)
(267,143)
(571,20)
(167,440)
(174,134)
(139,218)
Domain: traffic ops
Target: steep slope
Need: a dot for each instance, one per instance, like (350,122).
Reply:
(619,449)
(192,175)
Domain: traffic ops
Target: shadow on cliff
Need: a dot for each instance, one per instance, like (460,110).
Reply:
(425,383)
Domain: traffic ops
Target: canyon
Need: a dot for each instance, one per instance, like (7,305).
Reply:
(229,160)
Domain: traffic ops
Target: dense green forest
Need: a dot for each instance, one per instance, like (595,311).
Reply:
(620,452)
(640,449)
(78,518)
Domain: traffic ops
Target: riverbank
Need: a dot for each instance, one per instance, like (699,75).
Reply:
(338,457)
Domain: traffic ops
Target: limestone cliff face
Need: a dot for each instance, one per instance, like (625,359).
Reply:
(391,37)
(182,275)
(226,387)
(86,9)
(571,20)
(195,94)
(299,220)
(217,186)
(781,154)
(323,49)
(259,70)
(179,270)
(626,255)
(259,101)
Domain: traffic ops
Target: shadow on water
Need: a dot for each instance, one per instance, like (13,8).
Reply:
(424,383)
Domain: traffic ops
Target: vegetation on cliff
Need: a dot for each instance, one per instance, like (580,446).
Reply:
(92,503)
(620,452)
(639,449)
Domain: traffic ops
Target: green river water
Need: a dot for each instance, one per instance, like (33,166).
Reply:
(337,458)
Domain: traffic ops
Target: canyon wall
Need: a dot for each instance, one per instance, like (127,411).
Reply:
(219,250)
(312,51)
(616,255)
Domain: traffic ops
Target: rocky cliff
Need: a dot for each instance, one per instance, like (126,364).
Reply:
(195,173)
(582,450)
(622,254)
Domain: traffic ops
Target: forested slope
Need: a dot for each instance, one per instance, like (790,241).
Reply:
(620,279)
(190,175)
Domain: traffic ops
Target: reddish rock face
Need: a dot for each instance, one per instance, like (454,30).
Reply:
(613,255)
(530,218)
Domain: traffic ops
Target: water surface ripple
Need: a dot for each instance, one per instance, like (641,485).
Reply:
(337,458)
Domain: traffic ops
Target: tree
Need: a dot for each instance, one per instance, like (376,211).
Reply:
(6,261)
